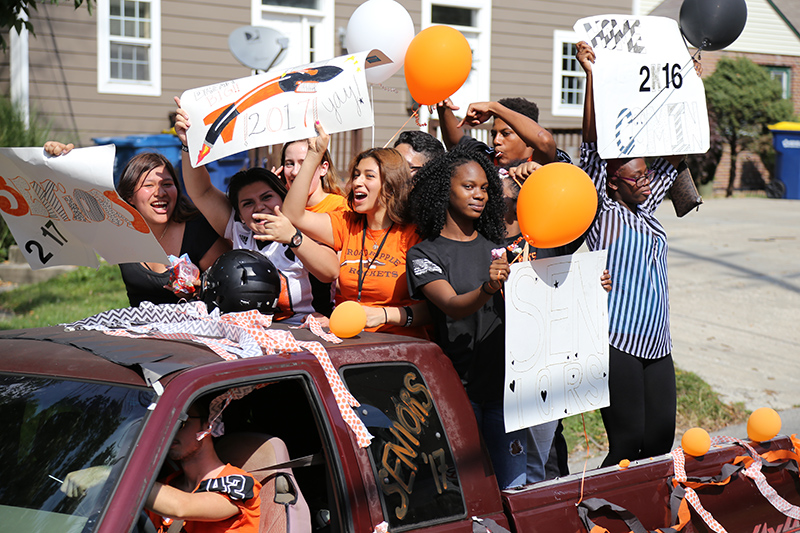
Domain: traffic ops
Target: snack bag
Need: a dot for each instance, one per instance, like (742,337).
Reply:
(182,275)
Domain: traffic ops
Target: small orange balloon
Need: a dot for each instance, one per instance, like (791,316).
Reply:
(556,204)
(763,425)
(696,442)
(348,320)
(438,61)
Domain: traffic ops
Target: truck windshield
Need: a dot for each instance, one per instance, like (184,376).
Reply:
(57,430)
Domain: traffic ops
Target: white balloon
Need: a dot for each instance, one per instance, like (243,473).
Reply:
(384,25)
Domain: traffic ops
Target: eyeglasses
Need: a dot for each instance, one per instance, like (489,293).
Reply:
(638,181)
(183,423)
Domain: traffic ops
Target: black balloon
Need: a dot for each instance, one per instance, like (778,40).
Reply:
(712,24)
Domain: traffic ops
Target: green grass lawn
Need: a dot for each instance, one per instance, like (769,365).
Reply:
(67,298)
(698,406)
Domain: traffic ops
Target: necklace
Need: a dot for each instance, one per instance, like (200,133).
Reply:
(166,227)
(375,244)
(362,274)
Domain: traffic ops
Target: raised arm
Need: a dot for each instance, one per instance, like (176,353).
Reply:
(315,225)
(535,136)
(318,259)
(212,202)
(449,124)
(585,56)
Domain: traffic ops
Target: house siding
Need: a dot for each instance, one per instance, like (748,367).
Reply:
(195,53)
(522,49)
(63,87)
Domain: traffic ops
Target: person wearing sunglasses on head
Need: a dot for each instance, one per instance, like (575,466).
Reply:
(640,421)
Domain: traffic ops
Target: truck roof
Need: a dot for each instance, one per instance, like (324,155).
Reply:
(95,355)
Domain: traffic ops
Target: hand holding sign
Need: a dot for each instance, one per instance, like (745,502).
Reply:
(279,106)
(64,210)
(649,99)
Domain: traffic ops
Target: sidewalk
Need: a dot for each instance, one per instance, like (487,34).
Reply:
(734,280)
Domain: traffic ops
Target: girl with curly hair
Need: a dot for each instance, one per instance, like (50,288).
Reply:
(372,237)
(460,267)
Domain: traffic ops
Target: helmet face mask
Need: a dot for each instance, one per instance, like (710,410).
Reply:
(241,280)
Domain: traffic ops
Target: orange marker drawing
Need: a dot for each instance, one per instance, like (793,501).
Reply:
(223,119)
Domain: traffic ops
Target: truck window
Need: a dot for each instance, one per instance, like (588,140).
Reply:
(284,409)
(410,454)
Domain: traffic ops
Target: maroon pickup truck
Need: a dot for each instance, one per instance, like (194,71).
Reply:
(72,400)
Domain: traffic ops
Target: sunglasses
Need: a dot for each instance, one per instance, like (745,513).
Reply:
(183,423)
(638,181)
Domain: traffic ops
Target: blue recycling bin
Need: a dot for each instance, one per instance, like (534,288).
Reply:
(221,170)
(169,146)
(786,140)
(166,144)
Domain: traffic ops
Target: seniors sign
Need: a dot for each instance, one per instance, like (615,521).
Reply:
(279,106)
(556,339)
(648,99)
(64,210)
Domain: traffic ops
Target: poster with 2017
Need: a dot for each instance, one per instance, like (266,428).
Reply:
(648,99)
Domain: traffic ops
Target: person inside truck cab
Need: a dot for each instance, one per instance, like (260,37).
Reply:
(460,267)
(203,494)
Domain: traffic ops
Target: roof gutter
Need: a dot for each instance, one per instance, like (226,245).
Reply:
(783,17)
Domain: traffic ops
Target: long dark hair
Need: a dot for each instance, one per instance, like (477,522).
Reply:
(138,166)
(430,198)
(253,175)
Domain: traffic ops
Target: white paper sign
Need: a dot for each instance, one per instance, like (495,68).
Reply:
(279,106)
(64,210)
(648,99)
(556,339)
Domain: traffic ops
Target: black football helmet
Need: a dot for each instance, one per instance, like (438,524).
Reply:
(241,280)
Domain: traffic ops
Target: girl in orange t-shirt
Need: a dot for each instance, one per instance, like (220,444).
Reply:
(372,238)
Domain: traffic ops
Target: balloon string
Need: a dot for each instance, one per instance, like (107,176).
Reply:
(672,89)
(387,89)
(414,114)
(586,461)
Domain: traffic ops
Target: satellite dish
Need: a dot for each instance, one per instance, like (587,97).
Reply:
(257,47)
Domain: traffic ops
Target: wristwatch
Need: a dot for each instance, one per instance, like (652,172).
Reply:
(296,241)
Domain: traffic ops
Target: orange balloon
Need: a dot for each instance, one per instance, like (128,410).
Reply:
(763,425)
(556,204)
(348,320)
(438,61)
(696,442)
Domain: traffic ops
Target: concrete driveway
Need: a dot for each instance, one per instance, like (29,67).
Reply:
(734,274)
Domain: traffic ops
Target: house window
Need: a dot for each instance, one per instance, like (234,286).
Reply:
(308,24)
(783,75)
(302,4)
(568,76)
(129,47)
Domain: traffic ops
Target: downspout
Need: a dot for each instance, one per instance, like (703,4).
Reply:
(20,71)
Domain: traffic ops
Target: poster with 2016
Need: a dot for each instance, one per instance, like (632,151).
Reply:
(648,99)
